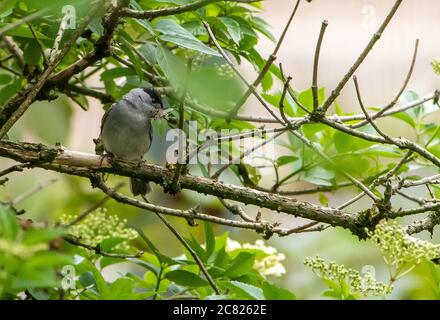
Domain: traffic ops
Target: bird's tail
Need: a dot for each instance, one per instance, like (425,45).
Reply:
(139,187)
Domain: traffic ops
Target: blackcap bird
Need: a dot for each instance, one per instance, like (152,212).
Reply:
(126,131)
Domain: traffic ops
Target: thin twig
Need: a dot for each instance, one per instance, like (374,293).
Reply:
(14,168)
(103,97)
(97,249)
(283,97)
(316,64)
(396,98)
(93,208)
(239,74)
(191,251)
(266,66)
(377,35)
(367,116)
(16,51)
(356,182)
(31,192)
(379,180)
(217,174)
(40,45)
(236,210)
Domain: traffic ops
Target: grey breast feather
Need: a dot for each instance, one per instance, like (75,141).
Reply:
(124,133)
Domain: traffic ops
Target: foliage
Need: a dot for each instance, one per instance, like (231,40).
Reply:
(436,66)
(401,253)
(29,260)
(28,257)
(346,284)
(98,226)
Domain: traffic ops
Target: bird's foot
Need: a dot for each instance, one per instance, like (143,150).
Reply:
(106,156)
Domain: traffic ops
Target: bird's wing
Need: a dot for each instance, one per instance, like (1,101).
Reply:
(104,117)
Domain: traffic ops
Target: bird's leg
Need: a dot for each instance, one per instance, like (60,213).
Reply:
(140,161)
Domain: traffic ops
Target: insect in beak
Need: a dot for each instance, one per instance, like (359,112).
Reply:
(162,113)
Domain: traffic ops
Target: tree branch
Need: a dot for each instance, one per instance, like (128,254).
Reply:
(87,165)
(151,14)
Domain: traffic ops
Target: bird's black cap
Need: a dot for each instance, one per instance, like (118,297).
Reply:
(155,96)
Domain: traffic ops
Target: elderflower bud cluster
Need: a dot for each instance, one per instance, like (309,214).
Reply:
(400,249)
(99,226)
(436,66)
(361,286)
(269,265)
(224,70)
(19,250)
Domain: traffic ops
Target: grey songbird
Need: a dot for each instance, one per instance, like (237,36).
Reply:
(126,131)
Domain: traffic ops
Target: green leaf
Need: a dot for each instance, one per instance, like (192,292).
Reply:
(108,261)
(54,120)
(35,236)
(233,28)
(32,54)
(332,294)
(323,199)
(86,279)
(283,160)
(186,279)
(173,68)
(172,32)
(147,265)
(109,243)
(208,84)
(194,244)
(210,239)
(346,143)
(96,26)
(267,82)
(48,259)
(101,284)
(406,118)
(410,96)
(148,51)
(9,226)
(5,78)
(263,27)
(243,290)
(162,258)
(133,57)
(24,32)
(306,97)
(272,292)
(382,150)
(121,289)
(6,7)
(242,264)
(117,72)
(319,176)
